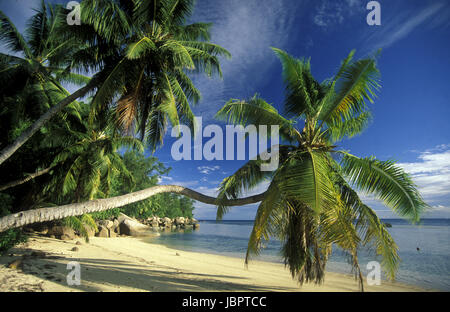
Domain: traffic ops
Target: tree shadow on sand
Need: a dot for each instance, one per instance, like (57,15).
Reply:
(146,277)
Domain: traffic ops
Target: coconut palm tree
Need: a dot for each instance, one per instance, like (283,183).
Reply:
(51,213)
(141,52)
(85,169)
(149,86)
(310,204)
(31,78)
(32,73)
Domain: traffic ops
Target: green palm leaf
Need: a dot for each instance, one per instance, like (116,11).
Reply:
(268,217)
(244,179)
(304,177)
(257,112)
(144,45)
(303,92)
(338,128)
(11,36)
(386,181)
(357,82)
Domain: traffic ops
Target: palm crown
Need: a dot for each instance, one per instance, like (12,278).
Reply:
(146,51)
(310,204)
(33,70)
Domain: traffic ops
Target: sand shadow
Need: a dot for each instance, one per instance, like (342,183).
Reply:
(127,274)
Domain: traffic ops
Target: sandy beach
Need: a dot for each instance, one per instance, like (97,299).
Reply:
(130,264)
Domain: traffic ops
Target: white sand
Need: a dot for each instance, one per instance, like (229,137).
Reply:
(130,264)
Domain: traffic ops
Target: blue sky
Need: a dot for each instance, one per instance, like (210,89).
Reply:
(410,114)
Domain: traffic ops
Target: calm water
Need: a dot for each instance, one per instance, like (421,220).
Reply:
(428,268)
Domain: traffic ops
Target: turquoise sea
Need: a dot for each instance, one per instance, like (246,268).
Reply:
(428,267)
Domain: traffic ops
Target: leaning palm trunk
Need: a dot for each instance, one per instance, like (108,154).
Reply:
(9,150)
(55,213)
(24,180)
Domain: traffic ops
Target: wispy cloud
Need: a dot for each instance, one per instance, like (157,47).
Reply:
(395,28)
(247,29)
(331,13)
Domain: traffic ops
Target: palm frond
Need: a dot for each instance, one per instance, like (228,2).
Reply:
(303,92)
(169,103)
(74,78)
(127,106)
(189,89)
(338,129)
(357,83)
(257,112)
(156,128)
(371,229)
(107,18)
(195,31)
(137,49)
(304,176)
(268,217)
(180,54)
(387,182)
(12,38)
(244,179)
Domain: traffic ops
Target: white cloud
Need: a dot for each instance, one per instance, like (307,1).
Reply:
(189,184)
(165,179)
(431,173)
(208,169)
(328,14)
(441,208)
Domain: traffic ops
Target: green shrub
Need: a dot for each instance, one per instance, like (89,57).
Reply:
(106,215)
(11,237)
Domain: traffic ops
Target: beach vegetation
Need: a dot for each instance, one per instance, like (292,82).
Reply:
(140,55)
(136,60)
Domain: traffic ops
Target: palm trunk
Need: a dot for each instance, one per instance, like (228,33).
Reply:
(25,136)
(55,213)
(24,180)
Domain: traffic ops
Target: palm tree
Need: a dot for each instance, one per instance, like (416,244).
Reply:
(310,204)
(31,75)
(149,84)
(140,52)
(28,178)
(31,78)
(86,168)
(51,213)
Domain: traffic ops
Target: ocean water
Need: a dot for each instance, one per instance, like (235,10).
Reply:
(428,267)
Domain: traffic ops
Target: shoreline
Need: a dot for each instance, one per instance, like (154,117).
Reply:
(132,264)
